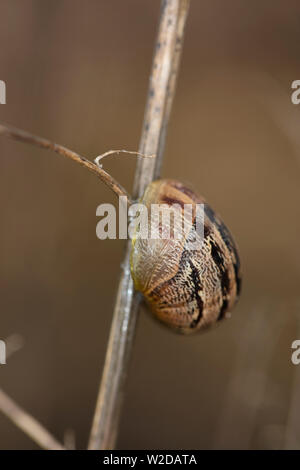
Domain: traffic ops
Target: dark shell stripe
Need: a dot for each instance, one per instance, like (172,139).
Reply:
(216,221)
(181,290)
(185,287)
(227,237)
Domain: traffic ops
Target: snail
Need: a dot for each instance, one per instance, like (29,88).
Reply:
(187,290)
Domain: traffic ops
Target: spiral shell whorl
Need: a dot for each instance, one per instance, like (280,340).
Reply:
(187,290)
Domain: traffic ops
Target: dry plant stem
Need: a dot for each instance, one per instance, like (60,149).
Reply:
(23,136)
(160,97)
(162,85)
(18,416)
(26,423)
(184,7)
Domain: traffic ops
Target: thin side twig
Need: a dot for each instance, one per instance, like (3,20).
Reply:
(18,134)
(117,152)
(160,97)
(28,424)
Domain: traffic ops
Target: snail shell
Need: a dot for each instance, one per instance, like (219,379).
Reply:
(188,290)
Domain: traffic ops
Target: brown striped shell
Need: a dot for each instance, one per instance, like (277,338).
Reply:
(188,290)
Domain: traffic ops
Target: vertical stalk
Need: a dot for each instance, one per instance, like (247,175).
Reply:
(159,102)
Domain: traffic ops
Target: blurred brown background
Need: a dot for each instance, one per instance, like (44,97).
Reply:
(77,72)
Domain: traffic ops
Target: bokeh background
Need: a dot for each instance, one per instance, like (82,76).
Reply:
(77,72)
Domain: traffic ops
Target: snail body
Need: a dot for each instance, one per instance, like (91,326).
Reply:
(186,289)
